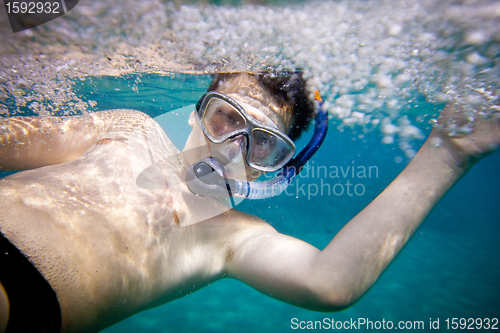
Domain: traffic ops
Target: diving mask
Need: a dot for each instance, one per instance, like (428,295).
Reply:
(221,118)
(207,176)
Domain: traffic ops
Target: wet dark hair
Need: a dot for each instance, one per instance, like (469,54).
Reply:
(288,91)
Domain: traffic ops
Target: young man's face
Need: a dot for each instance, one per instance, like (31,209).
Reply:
(232,152)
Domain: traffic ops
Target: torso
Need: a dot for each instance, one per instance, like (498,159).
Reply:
(110,241)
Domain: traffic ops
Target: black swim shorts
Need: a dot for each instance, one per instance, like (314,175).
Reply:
(33,303)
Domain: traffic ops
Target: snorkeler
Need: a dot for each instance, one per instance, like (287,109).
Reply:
(104,224)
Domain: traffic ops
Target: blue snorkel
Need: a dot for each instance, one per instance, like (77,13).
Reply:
(206,177)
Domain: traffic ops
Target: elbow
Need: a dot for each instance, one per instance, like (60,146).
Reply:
(337,291)
(335,301)
(333,297)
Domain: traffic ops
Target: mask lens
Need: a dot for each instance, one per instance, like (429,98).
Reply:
(221,119)
(269,150)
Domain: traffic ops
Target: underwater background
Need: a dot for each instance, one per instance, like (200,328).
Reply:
(386,69)
(449,269)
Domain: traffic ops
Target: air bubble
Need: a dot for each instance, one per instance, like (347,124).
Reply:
(377,54)
(436,142)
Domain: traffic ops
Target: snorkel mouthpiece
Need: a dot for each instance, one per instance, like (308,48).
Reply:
(206,177)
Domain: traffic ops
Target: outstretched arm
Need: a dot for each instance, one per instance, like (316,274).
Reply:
(33,142)
(339,275)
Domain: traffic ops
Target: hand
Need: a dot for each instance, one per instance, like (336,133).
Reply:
(466,142)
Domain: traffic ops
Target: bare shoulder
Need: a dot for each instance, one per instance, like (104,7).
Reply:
(33,142)
(245,240)
(224,235)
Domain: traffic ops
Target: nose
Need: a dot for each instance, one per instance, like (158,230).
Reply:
(234,147)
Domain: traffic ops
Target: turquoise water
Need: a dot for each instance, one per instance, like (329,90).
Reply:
(368,56)
(449,269)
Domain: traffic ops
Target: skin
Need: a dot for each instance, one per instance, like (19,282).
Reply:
(111,248)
